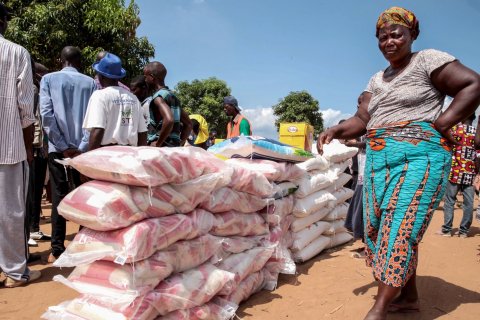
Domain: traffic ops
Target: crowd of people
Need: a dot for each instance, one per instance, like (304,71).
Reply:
(404,168)
(50,116)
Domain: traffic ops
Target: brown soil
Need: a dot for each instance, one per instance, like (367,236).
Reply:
(332,286)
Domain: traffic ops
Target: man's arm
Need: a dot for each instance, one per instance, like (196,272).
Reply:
(96,136)
(28,141)
(142,139)
(25,102)
(83,147)
(186,127)
(162,108)
(245,127)
(48,117)
(25,91)
(141,126)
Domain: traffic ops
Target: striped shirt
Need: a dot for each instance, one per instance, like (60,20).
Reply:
(16,100)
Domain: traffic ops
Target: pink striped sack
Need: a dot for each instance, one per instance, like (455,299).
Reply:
(273,171)
(145,166)
(136,242)
(189,289)
(108,279)
(105,206)
(226,199)
(233,223)
(243,264)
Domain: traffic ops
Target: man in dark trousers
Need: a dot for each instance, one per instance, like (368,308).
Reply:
(64,98)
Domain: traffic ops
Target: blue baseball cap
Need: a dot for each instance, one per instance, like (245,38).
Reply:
(232,101)
(110,67)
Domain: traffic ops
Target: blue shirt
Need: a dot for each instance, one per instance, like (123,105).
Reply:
(64,98)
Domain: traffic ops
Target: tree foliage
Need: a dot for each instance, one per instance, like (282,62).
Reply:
(205,97)
(44,27)
(299,106)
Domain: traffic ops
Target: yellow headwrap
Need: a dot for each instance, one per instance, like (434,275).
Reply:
(202,130)
(397,15)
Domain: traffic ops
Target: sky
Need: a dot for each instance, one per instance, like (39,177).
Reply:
(265,49)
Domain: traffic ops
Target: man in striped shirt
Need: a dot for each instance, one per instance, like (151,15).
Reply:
(16,132)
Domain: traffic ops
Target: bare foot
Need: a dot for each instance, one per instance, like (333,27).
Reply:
(375,315)
(400,305)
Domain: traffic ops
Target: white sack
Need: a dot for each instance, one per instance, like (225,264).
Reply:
(337,152)
(310,251)
(339,239)
(301,223)
(317,163)
(337,226)
(339,212)
(314,202)
(305,236)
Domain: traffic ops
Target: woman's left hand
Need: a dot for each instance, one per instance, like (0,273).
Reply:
(448,135)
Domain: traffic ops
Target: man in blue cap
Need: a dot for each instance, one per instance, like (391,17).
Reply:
(238,125)
(114,114)
(100,56)
(64,97)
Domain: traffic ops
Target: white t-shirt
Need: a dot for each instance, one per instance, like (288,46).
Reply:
(119,112)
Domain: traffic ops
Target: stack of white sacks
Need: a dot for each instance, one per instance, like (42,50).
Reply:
(173,233)
(320,202)
(176,233)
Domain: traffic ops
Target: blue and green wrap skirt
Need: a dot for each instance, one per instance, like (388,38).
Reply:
(406,172)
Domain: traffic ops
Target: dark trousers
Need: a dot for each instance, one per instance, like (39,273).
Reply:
(37,173)
(63,180)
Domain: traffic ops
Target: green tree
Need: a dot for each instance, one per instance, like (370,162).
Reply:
(299,106)
(205,97)
(44,27)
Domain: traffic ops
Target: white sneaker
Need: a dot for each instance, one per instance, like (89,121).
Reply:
(32,243)
(39,235)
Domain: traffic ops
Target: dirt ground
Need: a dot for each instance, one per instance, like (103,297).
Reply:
(331,286)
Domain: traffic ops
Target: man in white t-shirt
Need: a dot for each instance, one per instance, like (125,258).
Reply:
(114,115)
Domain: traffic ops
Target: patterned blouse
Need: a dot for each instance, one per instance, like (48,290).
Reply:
(410,96)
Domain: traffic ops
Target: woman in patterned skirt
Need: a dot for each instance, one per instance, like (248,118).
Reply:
(408,154)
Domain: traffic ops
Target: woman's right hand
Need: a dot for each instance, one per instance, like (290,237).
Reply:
(325,138)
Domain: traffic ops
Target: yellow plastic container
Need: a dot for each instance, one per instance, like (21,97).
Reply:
(219,140)
(297,134)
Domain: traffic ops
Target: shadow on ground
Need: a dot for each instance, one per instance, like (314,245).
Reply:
(264,297)
(437,298)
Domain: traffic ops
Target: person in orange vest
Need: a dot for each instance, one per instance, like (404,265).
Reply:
(239,125)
